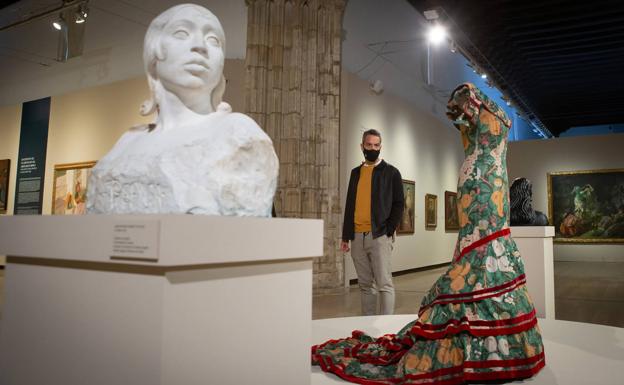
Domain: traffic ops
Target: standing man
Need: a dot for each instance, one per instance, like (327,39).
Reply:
(372,213)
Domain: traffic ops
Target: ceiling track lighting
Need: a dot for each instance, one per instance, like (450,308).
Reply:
(436,32)
(453,46)
(82,13)
(59,23)
(376,87)
(431,14)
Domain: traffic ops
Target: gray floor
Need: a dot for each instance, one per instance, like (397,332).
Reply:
(584,292)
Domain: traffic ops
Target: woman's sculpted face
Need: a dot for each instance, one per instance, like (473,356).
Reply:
(192,52)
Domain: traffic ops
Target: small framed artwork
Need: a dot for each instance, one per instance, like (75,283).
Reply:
(69,195)
(451,218)
(406,226)
(587,206)
(431,211)
(5,169)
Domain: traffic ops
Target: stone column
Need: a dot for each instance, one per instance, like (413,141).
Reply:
(292,89)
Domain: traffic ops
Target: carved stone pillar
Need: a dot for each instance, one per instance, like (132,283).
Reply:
(292,89)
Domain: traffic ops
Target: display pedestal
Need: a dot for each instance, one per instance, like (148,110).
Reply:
(536,248)
(211,300)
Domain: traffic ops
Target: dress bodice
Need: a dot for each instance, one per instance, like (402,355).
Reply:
(482,190)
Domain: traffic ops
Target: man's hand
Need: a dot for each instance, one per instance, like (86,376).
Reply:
(344,246)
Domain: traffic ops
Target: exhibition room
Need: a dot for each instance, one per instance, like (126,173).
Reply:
(363,191)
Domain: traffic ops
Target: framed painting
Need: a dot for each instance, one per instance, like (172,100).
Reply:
(451,217)
(69,194)
(406,226)
(431,211)
(5,172)
(587,206)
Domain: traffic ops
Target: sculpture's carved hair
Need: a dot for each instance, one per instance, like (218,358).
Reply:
(153,52)
(520,197)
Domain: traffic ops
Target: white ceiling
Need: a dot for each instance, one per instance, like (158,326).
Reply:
(386,40)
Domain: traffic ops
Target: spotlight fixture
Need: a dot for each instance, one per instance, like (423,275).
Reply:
(59,23)
(81,18)
(376,87)
(436,33)
(82,13)
(431,14)
(484,76)
(453,46)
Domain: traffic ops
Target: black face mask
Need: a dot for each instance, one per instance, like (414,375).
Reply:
(371,155)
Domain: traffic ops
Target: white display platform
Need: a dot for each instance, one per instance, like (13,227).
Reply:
(536,248)
(576,353)
(228,300)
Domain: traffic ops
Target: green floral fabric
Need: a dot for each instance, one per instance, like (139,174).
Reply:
(477,322)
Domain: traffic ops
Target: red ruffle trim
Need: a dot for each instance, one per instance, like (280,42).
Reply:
(483,241)
(477,295)
(396,347)
(479,328)
(514,369)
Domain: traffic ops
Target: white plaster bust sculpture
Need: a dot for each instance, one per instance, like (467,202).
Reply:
(197,157)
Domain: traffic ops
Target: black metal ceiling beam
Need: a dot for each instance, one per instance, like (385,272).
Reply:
(574,47)
(616,34)
(571,61)
(562,30)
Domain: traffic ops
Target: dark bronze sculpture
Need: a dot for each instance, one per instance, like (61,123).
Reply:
(521,202)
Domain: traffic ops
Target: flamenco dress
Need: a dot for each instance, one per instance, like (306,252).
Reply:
(477,323)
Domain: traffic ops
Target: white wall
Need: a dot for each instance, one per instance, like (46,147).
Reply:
(420,146)
(534,159)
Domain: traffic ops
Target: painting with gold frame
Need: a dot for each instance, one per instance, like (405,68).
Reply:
(451,216)
(587,206)
(406,226)
(431,211)
(69,194)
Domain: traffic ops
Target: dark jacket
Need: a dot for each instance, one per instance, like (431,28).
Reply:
(387,201)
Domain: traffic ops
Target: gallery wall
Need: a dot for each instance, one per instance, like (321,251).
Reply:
(535,158)
(424,150)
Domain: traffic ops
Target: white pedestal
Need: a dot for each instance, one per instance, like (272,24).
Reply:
(536,248)
(228,301)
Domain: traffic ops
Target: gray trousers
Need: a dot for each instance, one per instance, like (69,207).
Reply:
(371,258)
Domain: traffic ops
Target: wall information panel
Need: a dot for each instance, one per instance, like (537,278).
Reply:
(32,157)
